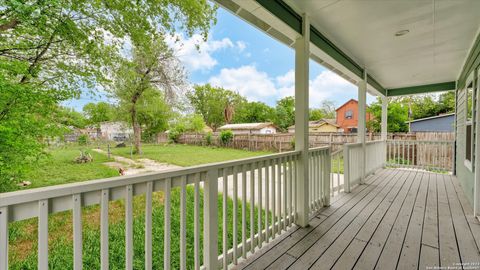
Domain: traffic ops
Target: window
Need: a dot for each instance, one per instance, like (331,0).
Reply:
(469,127)
(349,114)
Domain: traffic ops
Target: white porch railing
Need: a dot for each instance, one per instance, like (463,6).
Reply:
(337,176)
(266,184)
(426,155)
(353,155)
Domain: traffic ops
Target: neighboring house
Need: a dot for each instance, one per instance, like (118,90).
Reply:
(322,125)
(347,116)
(115,131)
(439,123)
(91,132)
(250,128)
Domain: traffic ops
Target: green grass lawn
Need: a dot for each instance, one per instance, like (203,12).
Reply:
(187,155)
(59,168)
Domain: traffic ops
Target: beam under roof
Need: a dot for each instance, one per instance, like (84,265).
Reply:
(421,89)
(286,14)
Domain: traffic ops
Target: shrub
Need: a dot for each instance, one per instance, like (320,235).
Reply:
(209,138)
(226,136)
(83,139)
(174,135)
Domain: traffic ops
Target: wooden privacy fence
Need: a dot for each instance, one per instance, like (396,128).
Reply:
(285,141)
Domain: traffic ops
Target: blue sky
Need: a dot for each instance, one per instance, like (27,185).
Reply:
(240,57)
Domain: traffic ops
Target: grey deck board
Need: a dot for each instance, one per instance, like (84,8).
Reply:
(400,219)
(350,256)
(336,210)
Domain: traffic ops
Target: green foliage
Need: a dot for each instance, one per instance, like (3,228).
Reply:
(53,50)
(99,112)
(174,135)
(210,102)
(226,136)
(70,118)
(209,138)
(326,110)
(396,118)
(285,113)
(253,112)
(83,139)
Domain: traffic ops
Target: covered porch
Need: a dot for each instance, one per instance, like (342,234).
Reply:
(378,217)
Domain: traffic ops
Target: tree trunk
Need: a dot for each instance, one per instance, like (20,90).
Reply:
(137,131)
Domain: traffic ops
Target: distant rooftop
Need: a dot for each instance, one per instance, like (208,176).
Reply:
(246,126)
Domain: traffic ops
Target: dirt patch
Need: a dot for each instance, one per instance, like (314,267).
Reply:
(139,166)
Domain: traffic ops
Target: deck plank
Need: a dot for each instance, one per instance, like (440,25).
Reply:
(401,219)
(308,252)
(350,256)
(370,213)
(410,252)
(469,252)
(339,207)
(449,254)
(387,228)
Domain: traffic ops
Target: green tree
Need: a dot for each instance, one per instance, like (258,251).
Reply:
(71,118)
(50,50)
(210,102)
(99,112)
(152,71)
(397,116)
(253,112)
(285,113)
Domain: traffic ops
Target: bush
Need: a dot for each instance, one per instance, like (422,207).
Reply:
(174,135)
(209,138)
(83,139)
(226,136)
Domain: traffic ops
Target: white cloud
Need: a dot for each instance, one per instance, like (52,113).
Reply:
(257,85)
(196,54)
(247,80)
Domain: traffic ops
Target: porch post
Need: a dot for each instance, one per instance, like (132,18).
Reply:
(302,53)
(384,130)
(362,116)
(476,156)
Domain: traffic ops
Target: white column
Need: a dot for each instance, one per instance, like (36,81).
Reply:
(362,118)
(302,53)
(384,130)
(476,188)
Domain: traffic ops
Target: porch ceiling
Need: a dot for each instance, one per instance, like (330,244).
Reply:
(362,35)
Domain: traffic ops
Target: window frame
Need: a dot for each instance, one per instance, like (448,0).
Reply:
(470,122)
(349,116)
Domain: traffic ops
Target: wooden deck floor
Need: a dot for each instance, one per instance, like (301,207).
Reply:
(400,219)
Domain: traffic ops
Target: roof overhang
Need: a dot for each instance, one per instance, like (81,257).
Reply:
(349,37)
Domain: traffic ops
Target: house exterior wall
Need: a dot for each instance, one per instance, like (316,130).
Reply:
(440,124)
(465,176)
(115,131)
(343,122)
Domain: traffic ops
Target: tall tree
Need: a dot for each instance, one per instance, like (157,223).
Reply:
(397,116)
(210,102)
(254,112)
(153,70)
(52,49)
(285,113)
(99,112)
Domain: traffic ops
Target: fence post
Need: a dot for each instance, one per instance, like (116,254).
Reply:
(108,151)
(210,220)
(346,168)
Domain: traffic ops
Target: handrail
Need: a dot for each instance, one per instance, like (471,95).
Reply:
(23,196)
(353,154)
(268,184)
